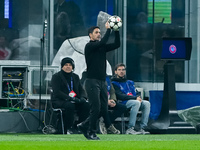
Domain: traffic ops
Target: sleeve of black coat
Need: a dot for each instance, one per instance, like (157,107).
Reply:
(115,45)
(56,87)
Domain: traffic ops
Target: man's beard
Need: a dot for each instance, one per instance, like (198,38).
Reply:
(121,77)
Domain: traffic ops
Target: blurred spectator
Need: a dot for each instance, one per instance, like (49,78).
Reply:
(4,50)
(62,29)
(68,22)
(116,109)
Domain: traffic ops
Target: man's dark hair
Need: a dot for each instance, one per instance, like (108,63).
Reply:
(119,65)
(91,29)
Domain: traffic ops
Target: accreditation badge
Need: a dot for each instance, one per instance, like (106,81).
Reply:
(130,94)
(108,95)
(72,94)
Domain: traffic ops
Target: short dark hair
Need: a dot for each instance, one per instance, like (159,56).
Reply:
(91,29)
(119,65)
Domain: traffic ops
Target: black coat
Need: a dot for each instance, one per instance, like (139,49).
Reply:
(60,88)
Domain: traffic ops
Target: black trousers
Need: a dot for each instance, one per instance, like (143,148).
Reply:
(82,110)
(116,111)
(98,100)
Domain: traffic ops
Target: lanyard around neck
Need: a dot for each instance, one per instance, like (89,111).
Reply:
(71,85)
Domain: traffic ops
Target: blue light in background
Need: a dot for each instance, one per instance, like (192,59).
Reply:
(6,9)
(110,4)
(10,14)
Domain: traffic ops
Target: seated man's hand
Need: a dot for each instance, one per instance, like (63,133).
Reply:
(83,100)
(111,103)
(139,99)
(77,100)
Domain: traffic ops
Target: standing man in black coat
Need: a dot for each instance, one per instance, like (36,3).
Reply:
(95,83)
(69,94)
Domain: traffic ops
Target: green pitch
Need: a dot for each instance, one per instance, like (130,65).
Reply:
(107,142)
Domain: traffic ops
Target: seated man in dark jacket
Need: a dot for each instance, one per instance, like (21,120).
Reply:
(116,109)
(69,94)
(126,92)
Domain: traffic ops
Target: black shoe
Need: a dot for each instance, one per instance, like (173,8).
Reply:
(83,130)
(93,136)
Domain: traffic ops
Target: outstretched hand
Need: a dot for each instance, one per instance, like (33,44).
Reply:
(107,25)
